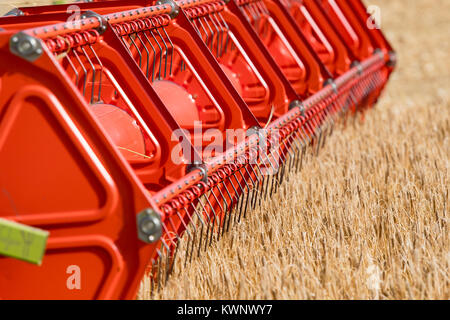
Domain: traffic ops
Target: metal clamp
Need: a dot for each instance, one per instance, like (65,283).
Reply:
(198,165)
(356,64)
(332,83)
(101,19)
(149,226)
(25,46)
(297,104)
(175,7)
(379,52)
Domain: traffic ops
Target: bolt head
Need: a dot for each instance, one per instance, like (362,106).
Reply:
(149,226)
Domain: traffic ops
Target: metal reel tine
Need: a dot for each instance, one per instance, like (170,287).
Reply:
(148,54)
(154,56)
(172,49)
(137,48)
(73,67)
(93,72)
(163,54)
(160,54)
(101,72)
(227,32)
(203,225)
(84,71)
(218,48)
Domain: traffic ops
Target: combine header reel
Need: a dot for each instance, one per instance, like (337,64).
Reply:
(128,127)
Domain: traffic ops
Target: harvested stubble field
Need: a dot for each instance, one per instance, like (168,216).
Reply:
(367,218)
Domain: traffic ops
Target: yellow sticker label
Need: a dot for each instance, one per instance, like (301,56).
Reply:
(22,242)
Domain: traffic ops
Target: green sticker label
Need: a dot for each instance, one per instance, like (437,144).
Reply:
(22,242)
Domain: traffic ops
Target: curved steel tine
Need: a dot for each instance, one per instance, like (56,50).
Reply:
(194,235)
(211,37)
(290,152)
(158,276)
(221,208)
(169,263)
(137,48)
(208,218)
(160,55)
(244,11)
(215,217)
(298,149)
(219,34)
(261,186)
(251,179)
(241,197)
(101,72)
(125,44)
(204,30)
(227,31)
(191,242)
(146,50)
(152,280)
(255,184)
(203,225)
(249,189)
(175,244)
(93,72)
(266,176)
(84,71)
(225,206)
(166,52)
(283,156)
(244,195)
(194,24)
(229,207)
(319,140)
(236,199)
(187,231)
(257,162)
(257,16)
(274,182)
(217,37)
(154,55)
(269,176)
(275,170)
(258,183)
(171,46)
(265,13)
(73,68)
(253,15)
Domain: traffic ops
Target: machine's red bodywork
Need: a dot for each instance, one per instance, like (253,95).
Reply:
(86,129)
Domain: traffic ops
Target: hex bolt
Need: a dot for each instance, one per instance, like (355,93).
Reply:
(149,226)
(25,46)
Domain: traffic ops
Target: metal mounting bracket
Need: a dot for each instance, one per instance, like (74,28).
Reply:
(25,46)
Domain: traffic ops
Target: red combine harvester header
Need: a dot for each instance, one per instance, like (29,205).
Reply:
(130,127)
